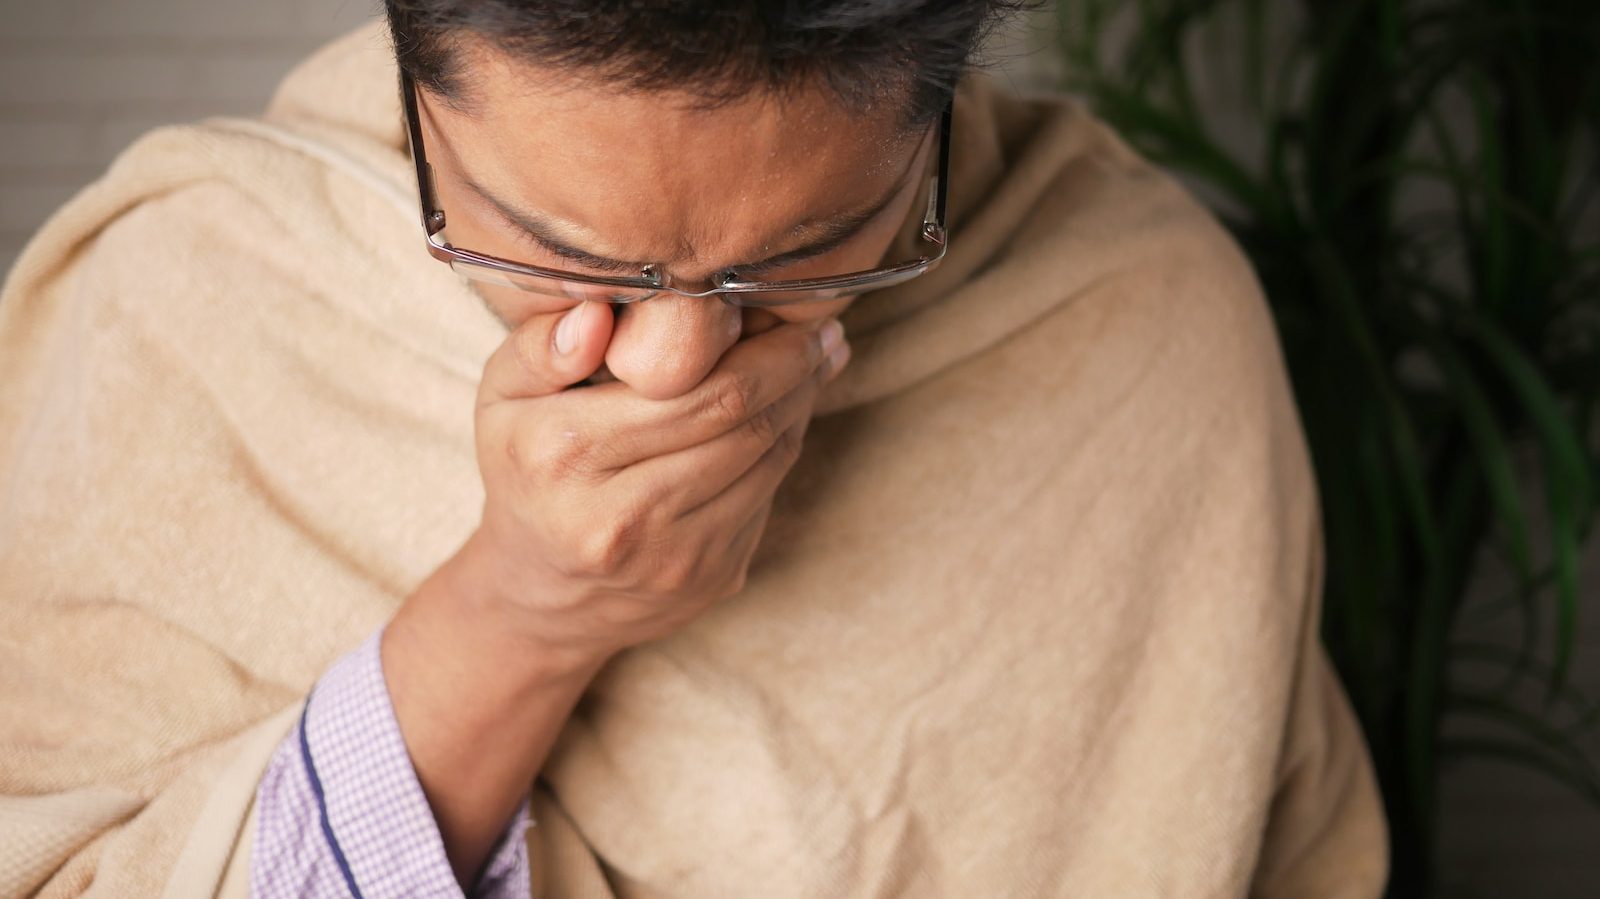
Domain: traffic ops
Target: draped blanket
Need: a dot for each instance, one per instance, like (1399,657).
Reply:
(1035,614)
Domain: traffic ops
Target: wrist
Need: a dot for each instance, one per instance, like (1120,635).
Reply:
(471,594)
(478,705)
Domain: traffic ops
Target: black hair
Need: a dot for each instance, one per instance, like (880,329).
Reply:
(865,51)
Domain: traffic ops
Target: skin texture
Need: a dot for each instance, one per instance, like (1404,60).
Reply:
(645,178)
(618,511)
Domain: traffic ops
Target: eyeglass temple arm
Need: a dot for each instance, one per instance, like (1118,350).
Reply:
(933,218)
(430,203)
(944,164)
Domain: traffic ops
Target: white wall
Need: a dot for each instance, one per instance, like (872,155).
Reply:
(79,79)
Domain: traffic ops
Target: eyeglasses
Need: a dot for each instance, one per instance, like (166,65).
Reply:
(730,287)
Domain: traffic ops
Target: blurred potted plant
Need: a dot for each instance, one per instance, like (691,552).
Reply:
(1420,204)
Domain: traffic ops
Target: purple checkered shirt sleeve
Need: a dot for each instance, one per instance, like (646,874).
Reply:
(340,811)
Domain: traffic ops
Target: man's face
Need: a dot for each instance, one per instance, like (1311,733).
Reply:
(637,178)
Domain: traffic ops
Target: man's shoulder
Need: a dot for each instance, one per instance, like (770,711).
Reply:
(1121,253)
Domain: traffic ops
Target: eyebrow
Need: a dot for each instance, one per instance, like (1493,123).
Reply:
(833,232)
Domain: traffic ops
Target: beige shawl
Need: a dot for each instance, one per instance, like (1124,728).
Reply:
(1035,615)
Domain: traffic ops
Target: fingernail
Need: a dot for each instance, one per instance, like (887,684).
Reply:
(832,333)
(567,330)
(837,358)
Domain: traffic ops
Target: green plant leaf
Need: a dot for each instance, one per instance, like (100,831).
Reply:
(1585,710)
(1558,745)
(1524,756)
(1492,451)
(1569,484)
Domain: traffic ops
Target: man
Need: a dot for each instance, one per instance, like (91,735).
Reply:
(330,571)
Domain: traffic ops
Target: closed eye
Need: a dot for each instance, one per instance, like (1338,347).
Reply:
(787,259)
(839,234)
(587,260)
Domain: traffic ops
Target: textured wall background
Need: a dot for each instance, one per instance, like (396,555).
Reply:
(80,79)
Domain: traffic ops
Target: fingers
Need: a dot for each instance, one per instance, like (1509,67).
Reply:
(548,353)
(754,488)
(624,428)
(742,546)
(691,477)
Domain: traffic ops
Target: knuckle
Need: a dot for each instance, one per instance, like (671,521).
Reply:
(551,454)
(736,582)
(763,426)
(788,445)
(677,573)
(732,398)
(607,549)
(522,450)
(516,454)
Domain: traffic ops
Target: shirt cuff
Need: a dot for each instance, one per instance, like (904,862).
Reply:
(370,808)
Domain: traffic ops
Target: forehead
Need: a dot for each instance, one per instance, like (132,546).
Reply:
(641,165)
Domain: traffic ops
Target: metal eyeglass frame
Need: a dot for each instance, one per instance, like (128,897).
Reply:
(731,290)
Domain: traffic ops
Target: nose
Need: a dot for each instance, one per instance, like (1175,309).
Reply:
(664,346)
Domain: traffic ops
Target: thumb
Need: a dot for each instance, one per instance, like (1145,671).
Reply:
(548,353)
